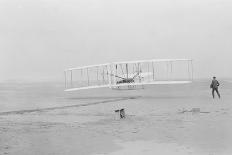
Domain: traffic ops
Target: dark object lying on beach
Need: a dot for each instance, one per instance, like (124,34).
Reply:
(121,113)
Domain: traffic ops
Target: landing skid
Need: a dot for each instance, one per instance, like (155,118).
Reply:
(128,87)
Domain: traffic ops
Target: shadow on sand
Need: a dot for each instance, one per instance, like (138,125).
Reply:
(64,107)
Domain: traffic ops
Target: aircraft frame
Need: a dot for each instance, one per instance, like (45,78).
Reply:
(129,73)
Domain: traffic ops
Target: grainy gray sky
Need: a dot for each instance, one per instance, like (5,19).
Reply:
(39,39)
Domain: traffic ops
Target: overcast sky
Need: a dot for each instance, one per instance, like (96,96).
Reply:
(40,38)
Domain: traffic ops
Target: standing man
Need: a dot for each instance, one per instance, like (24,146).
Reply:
(214,86)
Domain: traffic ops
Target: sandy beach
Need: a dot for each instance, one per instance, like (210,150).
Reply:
(41,119)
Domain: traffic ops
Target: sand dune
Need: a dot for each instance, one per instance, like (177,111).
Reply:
(159,120)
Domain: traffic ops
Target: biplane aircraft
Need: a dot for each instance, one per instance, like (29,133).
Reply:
(129,73)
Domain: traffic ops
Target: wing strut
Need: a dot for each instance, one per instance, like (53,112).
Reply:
(71,79)
(127,71)
(88,75)
(153,71)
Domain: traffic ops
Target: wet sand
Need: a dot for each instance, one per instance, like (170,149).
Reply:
(159,120)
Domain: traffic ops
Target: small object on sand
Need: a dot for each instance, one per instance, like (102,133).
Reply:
(120,113)
(196,110)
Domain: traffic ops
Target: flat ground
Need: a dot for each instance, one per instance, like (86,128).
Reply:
(41,119)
